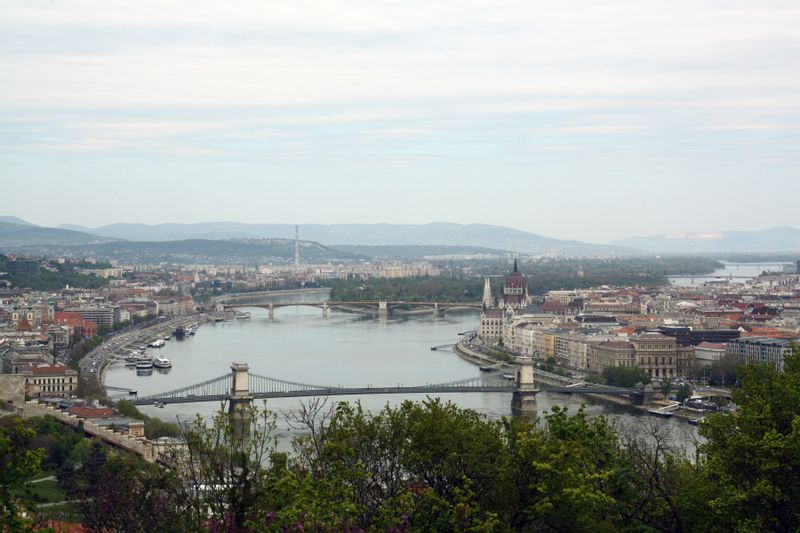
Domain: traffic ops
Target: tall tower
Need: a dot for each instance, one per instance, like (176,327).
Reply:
(487,293)
(296,248)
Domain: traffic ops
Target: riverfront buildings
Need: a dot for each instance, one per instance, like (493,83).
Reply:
(668,332)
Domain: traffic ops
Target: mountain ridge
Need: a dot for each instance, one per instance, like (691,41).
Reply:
(770,240)
(434,233)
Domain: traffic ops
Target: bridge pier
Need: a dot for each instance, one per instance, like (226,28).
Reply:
(271,312)
(324,309)
(523,400)
(383,308)
(436,309)
(240,398)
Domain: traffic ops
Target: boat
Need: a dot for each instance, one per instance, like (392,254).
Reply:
(486,368)
(157,343)
(144,363)
(162,362)
(242,316)
(180,332)
(167,337)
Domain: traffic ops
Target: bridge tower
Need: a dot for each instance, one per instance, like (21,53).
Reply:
(383,308)
(271,312)
(324,309)
(523,400)
(436,309)
(240,397)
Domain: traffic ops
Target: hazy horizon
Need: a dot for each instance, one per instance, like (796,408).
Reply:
(592,122)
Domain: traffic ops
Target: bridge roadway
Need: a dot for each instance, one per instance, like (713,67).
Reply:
(382,306)
(220,389)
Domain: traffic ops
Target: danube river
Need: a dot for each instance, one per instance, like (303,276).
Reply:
(344,349)
(740,272)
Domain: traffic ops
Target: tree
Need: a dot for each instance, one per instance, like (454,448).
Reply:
(684,392)
(223,465)
(665,387)
(124,493)
(753,455)
(18,463)
(625,376)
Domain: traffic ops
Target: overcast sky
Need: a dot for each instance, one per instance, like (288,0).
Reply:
(592,120)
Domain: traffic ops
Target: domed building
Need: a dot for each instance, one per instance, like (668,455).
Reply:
(515,290)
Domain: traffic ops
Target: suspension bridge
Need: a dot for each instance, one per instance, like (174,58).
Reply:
(240,386)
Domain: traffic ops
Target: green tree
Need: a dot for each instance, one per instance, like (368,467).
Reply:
(753,455)
(684,392)
(18,463)
(625,376)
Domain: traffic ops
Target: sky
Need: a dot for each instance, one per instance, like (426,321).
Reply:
(572,119)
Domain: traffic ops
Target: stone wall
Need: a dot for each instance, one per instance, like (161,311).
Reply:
(12,388)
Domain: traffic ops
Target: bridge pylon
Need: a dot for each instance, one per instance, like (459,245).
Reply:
(383,308)
(240,398)
(523,400)
(271,312)
(324,309)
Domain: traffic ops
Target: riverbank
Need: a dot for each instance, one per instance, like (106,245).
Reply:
(107,353)
(474,356)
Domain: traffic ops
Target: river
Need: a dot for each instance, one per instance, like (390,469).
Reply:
(734,272)
(344,349)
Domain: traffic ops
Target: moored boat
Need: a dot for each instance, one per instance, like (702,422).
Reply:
(162,362)
(144,362)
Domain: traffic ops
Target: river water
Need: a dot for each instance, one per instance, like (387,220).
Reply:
(740,272)
(345,349)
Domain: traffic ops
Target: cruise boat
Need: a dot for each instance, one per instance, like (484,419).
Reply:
(162,362)
(144,363)
(180,332)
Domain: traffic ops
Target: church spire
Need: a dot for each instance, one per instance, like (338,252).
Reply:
(515,265)
(487,293)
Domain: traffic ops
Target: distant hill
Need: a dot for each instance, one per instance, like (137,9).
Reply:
(780,239)
(433,234)
(416,252)
(245,251)
(14,235)
(198,250)
(15,220)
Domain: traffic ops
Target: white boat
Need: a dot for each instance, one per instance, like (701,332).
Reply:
(144,363)
(157,343)
(243,316)
(162,362)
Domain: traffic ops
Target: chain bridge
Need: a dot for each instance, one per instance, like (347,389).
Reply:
(240,386)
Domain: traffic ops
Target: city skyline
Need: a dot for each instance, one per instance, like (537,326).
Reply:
(593,123)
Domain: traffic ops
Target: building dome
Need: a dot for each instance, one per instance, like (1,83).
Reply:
(515,290)
(515,280)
